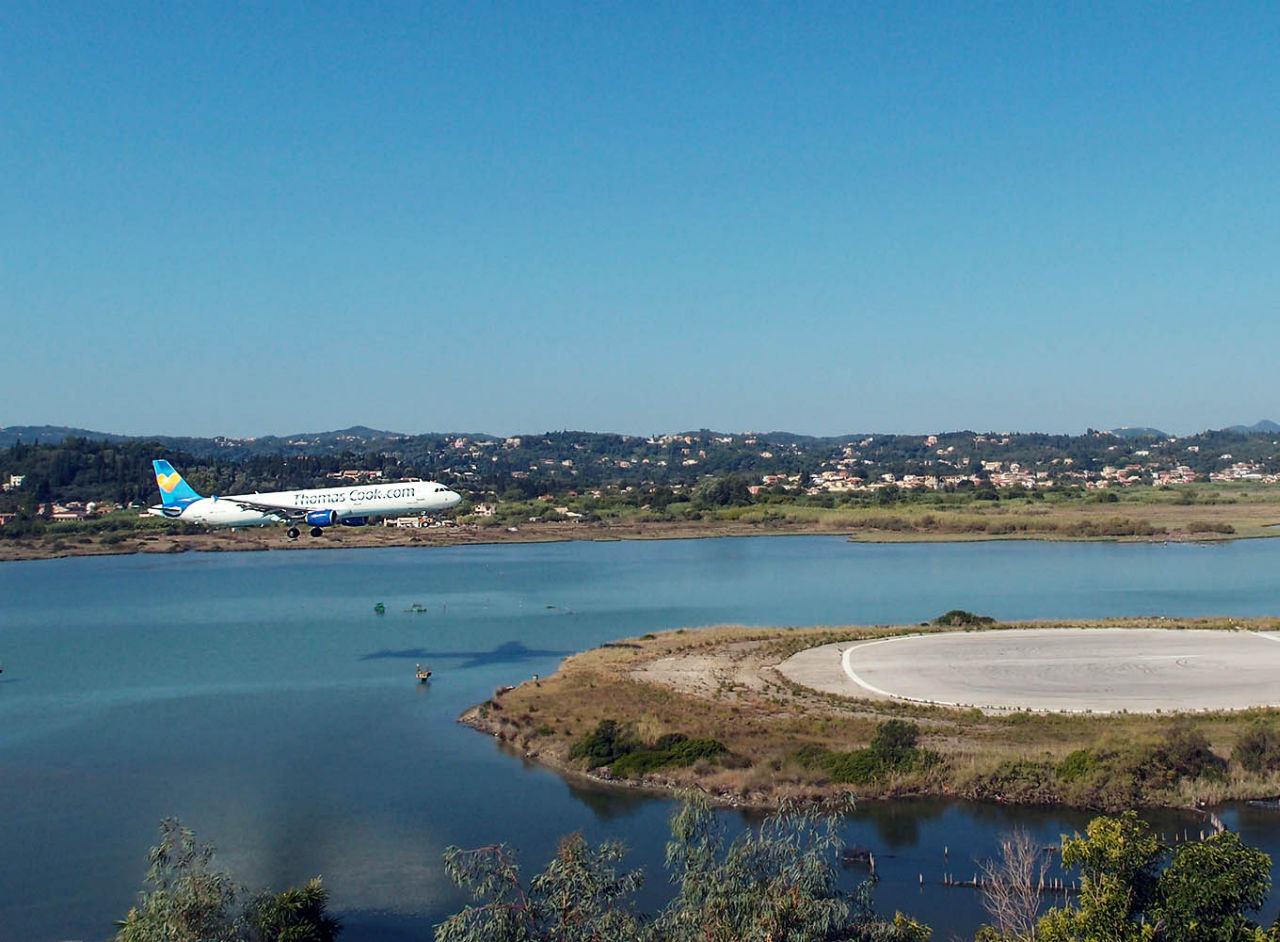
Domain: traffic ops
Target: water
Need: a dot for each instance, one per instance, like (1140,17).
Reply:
(258,697)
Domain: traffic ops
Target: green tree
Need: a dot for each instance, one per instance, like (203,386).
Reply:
(894,740)
(777,884)
(298,914)
(580,897)
(730,491)
(188,899)
(1203,895)
(1205,892)
(1117,859)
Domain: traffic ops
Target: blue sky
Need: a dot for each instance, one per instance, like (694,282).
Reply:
(250,219)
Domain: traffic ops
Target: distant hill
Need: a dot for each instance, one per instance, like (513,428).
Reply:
(358,438)
(1139,431)
(361,439)
(53,435)
(1266,425)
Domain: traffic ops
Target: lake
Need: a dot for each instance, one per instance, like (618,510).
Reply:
(259,697)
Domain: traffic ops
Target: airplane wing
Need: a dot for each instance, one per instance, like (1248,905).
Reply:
(274,510)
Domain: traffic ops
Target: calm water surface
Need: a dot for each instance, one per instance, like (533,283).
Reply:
(259,698)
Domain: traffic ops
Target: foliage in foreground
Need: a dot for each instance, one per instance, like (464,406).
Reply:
(1202,894)
(777,884)
(190,901)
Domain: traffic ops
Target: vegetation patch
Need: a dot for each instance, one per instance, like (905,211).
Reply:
(626,756)
(893,751)
(959,618)
(1111,779)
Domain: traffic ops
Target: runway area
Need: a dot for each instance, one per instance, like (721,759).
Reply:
(1100,670)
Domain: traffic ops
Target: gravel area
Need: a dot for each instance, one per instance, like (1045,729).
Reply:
(1102,670)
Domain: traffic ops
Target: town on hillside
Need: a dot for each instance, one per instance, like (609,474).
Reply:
(72,476)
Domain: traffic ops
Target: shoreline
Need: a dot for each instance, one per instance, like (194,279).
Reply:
(271,539)
(723,683)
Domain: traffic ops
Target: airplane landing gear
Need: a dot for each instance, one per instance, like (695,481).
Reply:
(291,533)
(317,531)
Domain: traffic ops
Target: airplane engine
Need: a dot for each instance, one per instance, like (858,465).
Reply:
(321,518)
(354,521)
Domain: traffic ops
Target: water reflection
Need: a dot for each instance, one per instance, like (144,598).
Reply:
(608,804)
(511,652)
(897,823)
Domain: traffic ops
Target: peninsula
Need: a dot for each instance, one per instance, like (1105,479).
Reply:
(716,710)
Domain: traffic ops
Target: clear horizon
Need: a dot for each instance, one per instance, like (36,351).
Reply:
(233,220)
(478,433)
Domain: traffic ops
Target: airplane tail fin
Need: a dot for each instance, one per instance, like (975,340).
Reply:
(173,490)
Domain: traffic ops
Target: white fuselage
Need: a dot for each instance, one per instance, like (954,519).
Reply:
(347,503)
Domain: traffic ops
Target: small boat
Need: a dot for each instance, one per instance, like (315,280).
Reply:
(422,673)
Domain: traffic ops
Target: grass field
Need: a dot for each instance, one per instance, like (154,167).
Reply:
(1199,513)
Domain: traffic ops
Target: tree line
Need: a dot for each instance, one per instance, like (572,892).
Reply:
(88,468)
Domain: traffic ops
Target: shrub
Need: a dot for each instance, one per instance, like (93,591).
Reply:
(1186,753)
(861,767)
(959,618)
(892,749)
(894,739)
(1077,765)
(681,752)
(609,744)
(1257,749)
(1210,526)
(603,745)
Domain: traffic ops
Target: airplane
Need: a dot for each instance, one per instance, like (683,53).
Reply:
(319,508)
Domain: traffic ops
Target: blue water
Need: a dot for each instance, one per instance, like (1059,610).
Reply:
(258,697)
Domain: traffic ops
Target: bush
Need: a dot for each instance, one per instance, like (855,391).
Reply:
(1077,765)
(1186,754)
(894,739)
(861,767)
(1210,526)
(603,745)
(682,752)
(893,749)
(611,745)
(959,618)
(1258,749)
